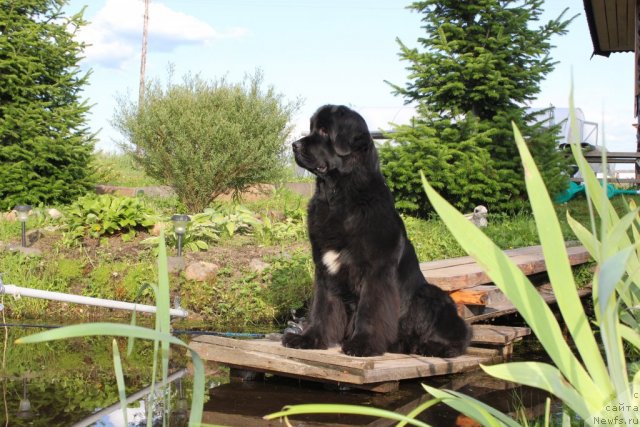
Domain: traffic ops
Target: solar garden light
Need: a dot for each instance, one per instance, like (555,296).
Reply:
(23,215)
(24,408)
(180,228)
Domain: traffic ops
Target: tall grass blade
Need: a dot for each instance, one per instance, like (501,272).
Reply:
(163,303)
(559,269)
(631,336)
(122,392)
(610,274)
(479,411)
(586,238)
(517,287)
(289,411)
(545,377)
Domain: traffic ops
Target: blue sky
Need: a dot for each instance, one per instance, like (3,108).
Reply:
(321,51)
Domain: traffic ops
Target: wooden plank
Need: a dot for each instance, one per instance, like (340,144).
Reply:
(506,307)
(494,334)
(459,261)
(478,295)
(464,272)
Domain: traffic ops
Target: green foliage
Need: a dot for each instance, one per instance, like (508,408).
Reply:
(234,304)
(209,226)
(450,151)
(272,232)
(45,145)
(289,282)
(431,239)
(120,280)
(105,215)
(237,131)
(119,169)
(160,336)
(477,68)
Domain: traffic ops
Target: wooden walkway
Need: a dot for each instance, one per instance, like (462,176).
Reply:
(378,373)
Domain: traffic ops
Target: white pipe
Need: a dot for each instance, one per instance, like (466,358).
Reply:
(79,299)
(97,416)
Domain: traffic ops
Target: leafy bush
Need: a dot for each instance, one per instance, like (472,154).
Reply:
(205,138)
(451,156)
(97,216)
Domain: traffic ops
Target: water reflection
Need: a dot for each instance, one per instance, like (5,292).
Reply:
(245,403)
(137,415)
(71,383)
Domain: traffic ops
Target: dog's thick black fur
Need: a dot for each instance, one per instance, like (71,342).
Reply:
(370,296)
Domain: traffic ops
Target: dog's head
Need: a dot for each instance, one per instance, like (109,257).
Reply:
(338,137)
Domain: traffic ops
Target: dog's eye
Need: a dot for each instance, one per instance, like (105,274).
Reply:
(322,131)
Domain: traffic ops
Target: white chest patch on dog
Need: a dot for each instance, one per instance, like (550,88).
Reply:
(331,260)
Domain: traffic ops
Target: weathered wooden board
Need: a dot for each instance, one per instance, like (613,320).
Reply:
(504,307)
(376,373)
(459,273)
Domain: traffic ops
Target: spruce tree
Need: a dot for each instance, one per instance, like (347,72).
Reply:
(45,145)
(480,61)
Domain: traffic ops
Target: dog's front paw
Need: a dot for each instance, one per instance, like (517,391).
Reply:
(304,341)
(361,346)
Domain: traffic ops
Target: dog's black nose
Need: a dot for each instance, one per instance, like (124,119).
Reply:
(296,146)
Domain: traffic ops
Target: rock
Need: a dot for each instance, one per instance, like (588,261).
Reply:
(31,252)
(10,216)
(257,265)
(201,271)
(54,213)
(33,236)
(158,227)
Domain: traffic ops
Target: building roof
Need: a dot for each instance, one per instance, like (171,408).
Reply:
(611,24)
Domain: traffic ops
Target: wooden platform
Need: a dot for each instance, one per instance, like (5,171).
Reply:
(379,373)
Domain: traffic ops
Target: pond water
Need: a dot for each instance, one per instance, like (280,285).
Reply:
(71,383)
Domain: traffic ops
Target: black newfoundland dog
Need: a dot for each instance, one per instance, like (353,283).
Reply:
(370,296)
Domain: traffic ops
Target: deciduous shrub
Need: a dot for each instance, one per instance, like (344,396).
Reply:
(207,137)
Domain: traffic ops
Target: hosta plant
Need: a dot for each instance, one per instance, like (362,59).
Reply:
(105,215)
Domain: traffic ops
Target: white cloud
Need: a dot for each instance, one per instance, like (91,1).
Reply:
(114,35)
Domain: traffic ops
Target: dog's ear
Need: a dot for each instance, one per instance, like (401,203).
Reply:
(348,132)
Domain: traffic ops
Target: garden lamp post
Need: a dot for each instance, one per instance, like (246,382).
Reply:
(23,215)
(180,227)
